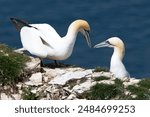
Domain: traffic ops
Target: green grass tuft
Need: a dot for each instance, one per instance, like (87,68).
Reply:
(117,91)
(141,93)
(11,65)
(99,69)
(107,91)
(101,78)
(145,83)
(118,82)
(103,92)
(28,95)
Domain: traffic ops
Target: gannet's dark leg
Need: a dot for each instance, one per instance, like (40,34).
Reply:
(56,64)
(41,63)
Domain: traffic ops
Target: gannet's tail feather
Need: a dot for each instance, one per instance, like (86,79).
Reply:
(20,50)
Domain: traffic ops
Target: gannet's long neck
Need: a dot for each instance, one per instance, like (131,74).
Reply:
(117,57)
(72,33)
(119,52)
(69,40)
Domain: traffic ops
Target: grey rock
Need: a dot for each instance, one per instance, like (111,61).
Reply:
(62,80)
(51,88)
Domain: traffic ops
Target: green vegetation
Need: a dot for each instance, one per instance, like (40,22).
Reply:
(101,78)
(28,95)
(11,65)
(145,83)
(102,91)
(141,91)
(99,69)
(105,91)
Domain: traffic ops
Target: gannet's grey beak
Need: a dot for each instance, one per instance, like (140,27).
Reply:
(102,44)
(87,37)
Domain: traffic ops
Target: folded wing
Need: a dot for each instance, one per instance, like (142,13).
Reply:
(32,41)
(51,36)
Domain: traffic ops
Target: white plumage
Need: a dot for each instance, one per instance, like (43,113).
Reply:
(116,65)
(43,41)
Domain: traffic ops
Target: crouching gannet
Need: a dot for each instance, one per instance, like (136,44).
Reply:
(116,66)
(43,41)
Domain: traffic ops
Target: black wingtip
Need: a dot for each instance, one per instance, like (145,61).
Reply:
(11,19)
(19,23)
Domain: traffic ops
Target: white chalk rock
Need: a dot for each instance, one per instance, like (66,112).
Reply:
(75,69)
(5,97)
(132,81)
(35,79)
(81,88)
(45,79)
(33,63)
(34,91)
(51,73)
(72,97)
(19,85)
(107,82)
(17,96)
(97,74)
(62,80)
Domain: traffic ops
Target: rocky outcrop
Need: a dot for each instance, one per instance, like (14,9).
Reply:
(64,83)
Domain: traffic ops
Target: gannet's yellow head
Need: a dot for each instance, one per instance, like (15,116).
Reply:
(83,27)
(114,42)
(81,24)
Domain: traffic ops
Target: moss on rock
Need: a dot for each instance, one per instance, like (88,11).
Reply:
(11,65)
(141,91)
(28,95)
(100,69)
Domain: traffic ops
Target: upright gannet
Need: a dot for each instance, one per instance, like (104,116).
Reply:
(116,66)
(43,41)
